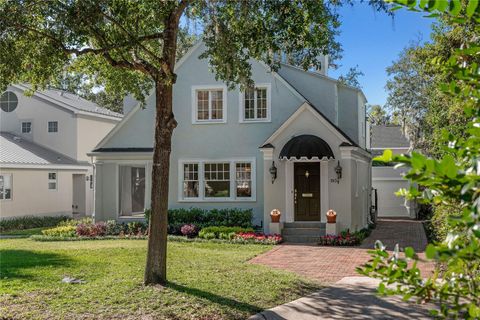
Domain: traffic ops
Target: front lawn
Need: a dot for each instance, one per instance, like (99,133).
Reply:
(207,281)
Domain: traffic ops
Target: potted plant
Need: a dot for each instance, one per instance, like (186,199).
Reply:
(275,215)
(331,216)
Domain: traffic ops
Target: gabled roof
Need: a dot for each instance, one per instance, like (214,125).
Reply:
(71,102)
(17,152)
(307,107)
(388,136)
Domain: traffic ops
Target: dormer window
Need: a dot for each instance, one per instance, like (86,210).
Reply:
(209,104)
(255,104)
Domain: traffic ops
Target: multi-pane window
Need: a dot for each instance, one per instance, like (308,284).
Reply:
(255,104)
(209,105)
(243,179)
(52,181)
(52,126)
(26,127)
(222,180)
(5,187)
(217,180)
(190,180)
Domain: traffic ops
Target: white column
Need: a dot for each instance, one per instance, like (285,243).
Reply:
(324,205)
(289,205)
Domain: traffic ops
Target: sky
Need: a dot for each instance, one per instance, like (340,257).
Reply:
(372,40)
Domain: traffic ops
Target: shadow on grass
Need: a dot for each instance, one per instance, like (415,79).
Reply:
(303,288)
(14,262)
(230,303)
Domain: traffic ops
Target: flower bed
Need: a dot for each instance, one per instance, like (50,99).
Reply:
(339,240)
(256,237)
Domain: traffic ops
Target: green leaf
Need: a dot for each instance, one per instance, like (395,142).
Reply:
(471,7)
(431,251)
(455,7)
(409,252)
(474,311)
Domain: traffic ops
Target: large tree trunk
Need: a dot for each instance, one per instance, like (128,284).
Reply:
(156,267)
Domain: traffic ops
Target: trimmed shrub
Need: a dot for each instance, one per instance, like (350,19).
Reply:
(62,231)
(439,223)
(114,228)
(222,232)
(205,218)
(30,222)
(75,222)
(137,228)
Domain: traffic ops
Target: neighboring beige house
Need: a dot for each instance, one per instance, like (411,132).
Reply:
(387,180)
(44,140)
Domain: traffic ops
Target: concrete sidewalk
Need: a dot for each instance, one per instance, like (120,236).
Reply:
(349,298)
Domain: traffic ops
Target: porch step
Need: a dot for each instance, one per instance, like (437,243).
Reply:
(306,224)
(303,232)
(316,232)
(301,239)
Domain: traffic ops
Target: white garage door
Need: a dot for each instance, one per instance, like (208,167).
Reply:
(387,181)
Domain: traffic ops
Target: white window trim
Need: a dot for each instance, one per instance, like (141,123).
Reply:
(195,105)
(241,109)
(31,126)
(48,126)
(11,185)
(201,180)
(52,180)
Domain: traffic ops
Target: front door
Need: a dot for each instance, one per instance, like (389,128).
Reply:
(307,191)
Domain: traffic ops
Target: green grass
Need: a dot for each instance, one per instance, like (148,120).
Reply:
(206,281)
(24,232)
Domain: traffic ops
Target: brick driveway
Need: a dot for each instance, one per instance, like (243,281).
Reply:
(330,264)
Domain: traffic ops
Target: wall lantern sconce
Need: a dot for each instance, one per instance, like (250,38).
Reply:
(338,171)
(273,171)
(307,174)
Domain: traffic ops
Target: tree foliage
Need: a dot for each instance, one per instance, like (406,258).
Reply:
(132,46)
(454,179)
(351,78)
(377,115)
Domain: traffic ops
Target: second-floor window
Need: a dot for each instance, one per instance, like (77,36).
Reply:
(209,104)
(26,127)
(52,181)
(255,104)
(52,126)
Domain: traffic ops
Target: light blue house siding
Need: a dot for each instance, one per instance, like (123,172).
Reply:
(231,139)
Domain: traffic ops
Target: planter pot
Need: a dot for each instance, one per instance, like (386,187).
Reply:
(275,215)
(331,219)
(331,216)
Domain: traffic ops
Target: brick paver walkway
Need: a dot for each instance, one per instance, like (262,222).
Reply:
(330,264)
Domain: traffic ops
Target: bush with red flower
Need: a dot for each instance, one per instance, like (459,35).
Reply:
(343,239)
(98,229)
(257,237)
(189,230)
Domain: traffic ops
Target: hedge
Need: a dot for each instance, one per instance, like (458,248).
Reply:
(30,222)
(207,218)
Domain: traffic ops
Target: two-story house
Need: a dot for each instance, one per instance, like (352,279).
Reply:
(295,142)
(44,140)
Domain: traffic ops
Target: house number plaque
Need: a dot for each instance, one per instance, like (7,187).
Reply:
(307,195)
